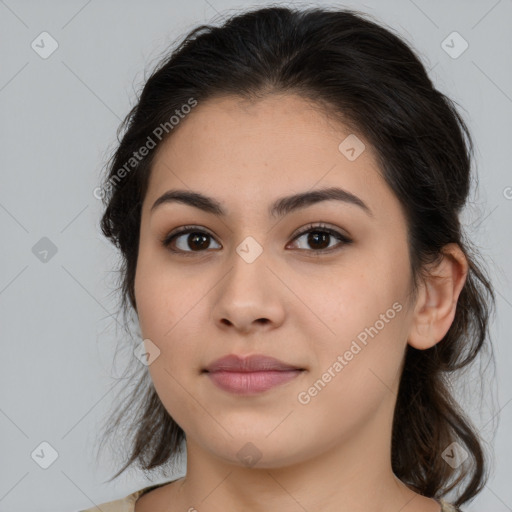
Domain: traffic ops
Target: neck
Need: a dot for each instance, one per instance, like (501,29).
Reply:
(354,475)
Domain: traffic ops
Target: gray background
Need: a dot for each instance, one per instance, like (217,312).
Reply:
(59,116)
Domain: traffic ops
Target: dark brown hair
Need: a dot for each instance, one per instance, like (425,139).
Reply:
(367,77)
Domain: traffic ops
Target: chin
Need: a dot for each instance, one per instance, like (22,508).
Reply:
(261,451)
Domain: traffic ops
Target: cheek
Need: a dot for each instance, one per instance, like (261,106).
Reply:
(169,319)
(162,297)
(356,374)
(364,321)
(344,305)
(152,303)
(350,294)
(169,306)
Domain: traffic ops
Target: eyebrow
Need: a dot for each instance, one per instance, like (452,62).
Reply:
(279,208)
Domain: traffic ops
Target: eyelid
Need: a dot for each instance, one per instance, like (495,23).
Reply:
(335,232)
(320,226)
(183,230)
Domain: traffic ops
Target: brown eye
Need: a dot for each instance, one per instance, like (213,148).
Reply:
(195,241)
(320,238)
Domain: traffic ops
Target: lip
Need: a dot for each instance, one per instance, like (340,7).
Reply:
(250,375)
(252,363)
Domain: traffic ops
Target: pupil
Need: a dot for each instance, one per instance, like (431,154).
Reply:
(314,237)
(193,238)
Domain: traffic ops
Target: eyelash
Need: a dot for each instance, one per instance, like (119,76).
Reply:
(318,227)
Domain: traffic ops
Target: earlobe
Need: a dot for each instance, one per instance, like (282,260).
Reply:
(436,304)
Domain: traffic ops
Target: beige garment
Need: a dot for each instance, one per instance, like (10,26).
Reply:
(127,504)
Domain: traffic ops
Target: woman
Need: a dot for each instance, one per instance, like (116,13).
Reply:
(286,200)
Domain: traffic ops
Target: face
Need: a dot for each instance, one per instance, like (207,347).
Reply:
(321,285)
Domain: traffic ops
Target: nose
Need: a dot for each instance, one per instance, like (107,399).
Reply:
(249,298)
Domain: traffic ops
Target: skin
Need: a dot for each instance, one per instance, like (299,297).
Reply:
(293,303)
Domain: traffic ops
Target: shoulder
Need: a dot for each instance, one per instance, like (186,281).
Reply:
(126,504)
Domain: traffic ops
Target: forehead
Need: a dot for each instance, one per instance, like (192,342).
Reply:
(233,148)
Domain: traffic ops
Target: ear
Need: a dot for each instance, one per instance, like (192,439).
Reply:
(437,298)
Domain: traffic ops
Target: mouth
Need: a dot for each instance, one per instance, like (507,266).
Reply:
(250,375)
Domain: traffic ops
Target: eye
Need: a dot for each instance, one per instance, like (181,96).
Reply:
(197,240)
(320,237)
